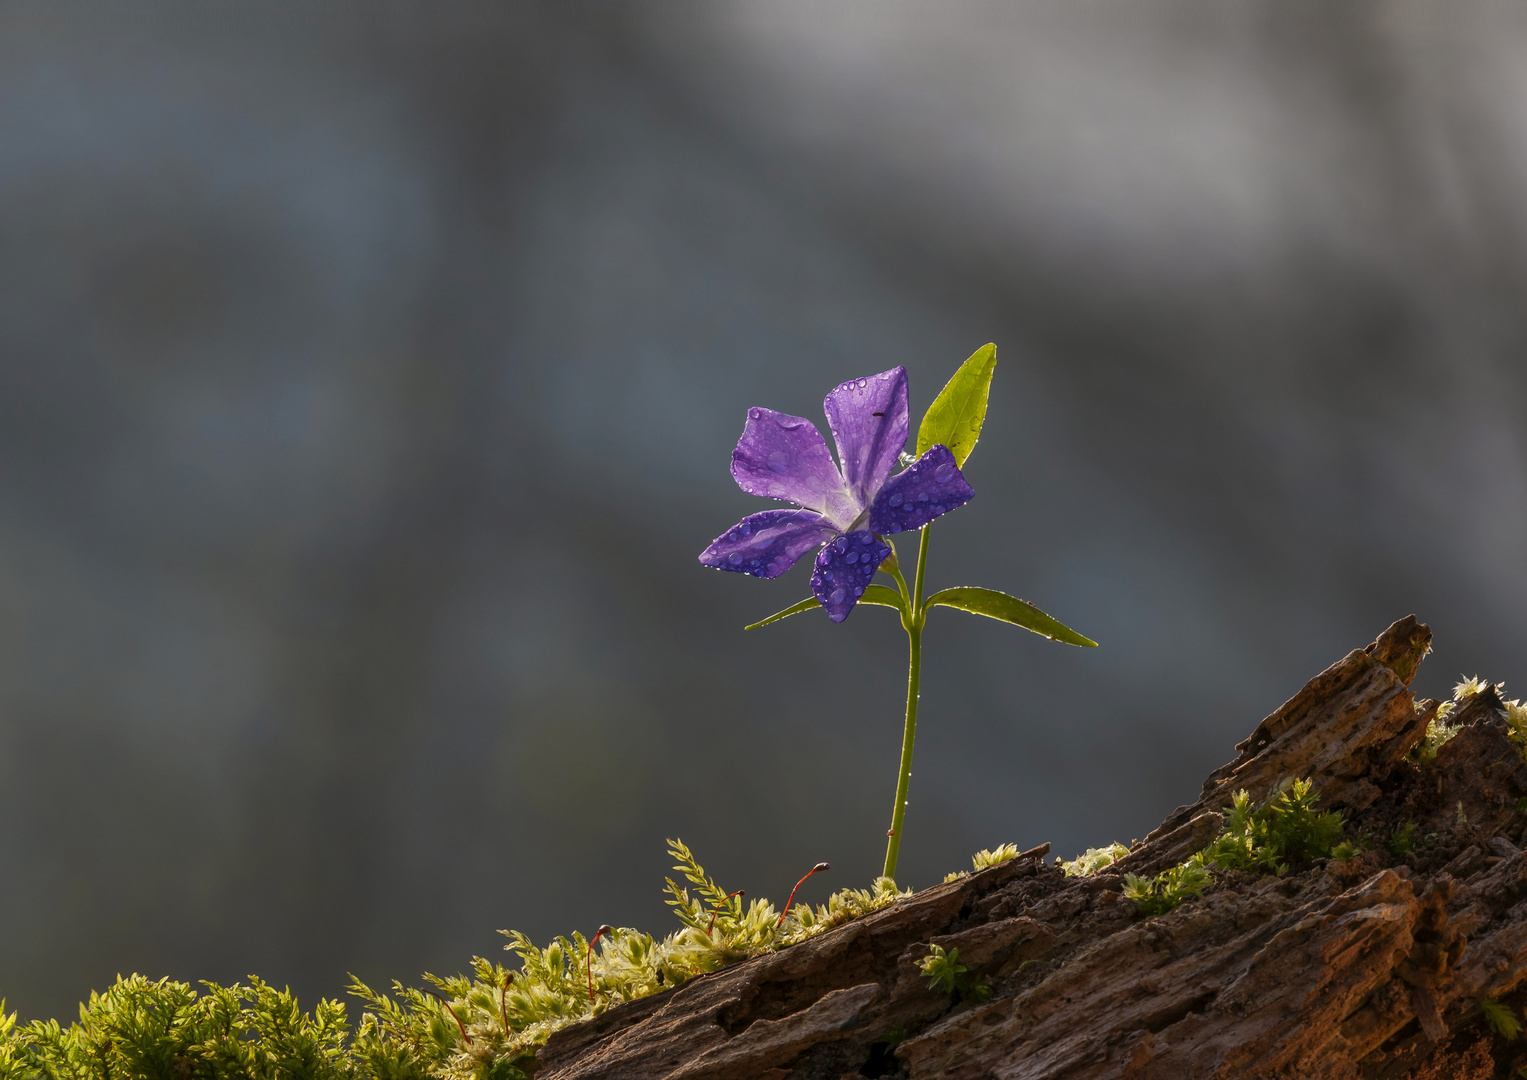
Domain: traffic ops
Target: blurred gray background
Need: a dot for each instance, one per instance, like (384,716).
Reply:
(368,376)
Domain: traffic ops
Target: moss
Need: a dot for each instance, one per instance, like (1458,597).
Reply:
(1501,1019)
(945,972)
(985,858)
(484,1025)
(1285,831)
(1093,860)
(1403,840)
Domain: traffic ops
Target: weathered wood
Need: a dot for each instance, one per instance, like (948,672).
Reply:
(1369,968)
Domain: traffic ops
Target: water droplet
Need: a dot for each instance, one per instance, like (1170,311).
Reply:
(745,529)
(842,545)
(945,472)
(858,590)
(863,383)
(754,414)
(851,558)
(836,597)
(779,461)
(895,499)
(734,558)
(869,538)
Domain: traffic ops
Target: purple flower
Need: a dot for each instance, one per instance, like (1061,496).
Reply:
(842,511)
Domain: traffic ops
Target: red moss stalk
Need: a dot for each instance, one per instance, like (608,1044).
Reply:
(601,932)
(713,914)
(798,884)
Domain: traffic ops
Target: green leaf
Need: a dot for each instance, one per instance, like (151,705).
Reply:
(794,609)
(1009,609)
(877,595)
(956,415)
(881,596)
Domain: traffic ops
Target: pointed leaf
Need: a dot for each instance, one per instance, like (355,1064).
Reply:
(1009,609)
(794,609)
(956,415)
(876,595)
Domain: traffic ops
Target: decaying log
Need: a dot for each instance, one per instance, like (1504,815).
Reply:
(1370,968)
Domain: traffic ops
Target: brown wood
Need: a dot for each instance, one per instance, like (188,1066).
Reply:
(1370,968)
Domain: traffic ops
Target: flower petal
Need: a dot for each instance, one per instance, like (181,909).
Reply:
(868,418)
(784,457)
(931,485)
(843,570)
(766,545)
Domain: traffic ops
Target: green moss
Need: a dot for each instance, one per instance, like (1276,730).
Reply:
(485,1025)
(1093,859)
(986,858)
(142,1028)
(1160,893)
(945,972)
(1282,832)
(1403,841)
(1501,1019)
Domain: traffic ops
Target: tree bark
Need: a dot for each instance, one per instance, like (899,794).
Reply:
(1369,968)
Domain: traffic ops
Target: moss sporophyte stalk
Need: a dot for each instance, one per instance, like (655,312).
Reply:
(847,511)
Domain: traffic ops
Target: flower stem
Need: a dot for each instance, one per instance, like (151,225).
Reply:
(913,622)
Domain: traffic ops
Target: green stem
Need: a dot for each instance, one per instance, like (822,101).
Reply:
(913,621)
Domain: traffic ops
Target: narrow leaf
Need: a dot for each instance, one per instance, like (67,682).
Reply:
(794,609)
(877,595)
(1009,609)
(956,415)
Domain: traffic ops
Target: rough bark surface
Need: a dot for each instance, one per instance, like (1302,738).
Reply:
(1369,968)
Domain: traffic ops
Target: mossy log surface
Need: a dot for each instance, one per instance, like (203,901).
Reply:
(1369,968)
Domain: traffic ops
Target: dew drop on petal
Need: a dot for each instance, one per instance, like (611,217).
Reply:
(863,383)
(851,558)
(895,499)
(837,596)
(779,461)
(869,538)
(943,474)
(754,414)
(858,590)
(734,558)
(745,529)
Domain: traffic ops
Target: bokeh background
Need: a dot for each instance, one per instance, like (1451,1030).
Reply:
(368,376)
